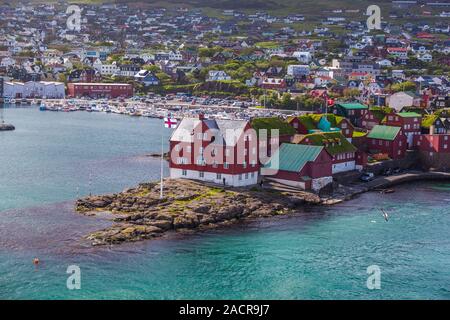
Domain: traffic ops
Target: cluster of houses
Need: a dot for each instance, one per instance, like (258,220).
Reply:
(144,45)
(309,150)
(392,84)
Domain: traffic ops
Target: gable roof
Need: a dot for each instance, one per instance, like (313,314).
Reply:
(334,142)
(220,129)
(384,132)
(293,157)
(380,112)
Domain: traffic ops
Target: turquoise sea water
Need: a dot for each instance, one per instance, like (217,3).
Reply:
(320,253)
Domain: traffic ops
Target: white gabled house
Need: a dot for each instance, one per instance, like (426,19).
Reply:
(215,75)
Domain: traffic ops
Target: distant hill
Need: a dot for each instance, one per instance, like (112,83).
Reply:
(282,6)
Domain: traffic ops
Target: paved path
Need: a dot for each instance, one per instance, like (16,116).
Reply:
(348,192)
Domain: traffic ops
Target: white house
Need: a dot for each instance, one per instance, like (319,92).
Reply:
(297,70)
(384,63)
(7,62)
(303,56)
(32,89)
(105,68)
(175,56)
(400,100)
(425,57)
(218,76)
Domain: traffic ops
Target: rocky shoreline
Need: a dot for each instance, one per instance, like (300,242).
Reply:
(188,206)
(140,214)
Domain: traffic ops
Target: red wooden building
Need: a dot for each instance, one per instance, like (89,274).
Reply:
(342,152)
(410,122)
(100,90)
(302,166)
(387,139)
(433,143)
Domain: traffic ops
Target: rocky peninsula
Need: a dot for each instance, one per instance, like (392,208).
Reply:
(188,206)
(139,213)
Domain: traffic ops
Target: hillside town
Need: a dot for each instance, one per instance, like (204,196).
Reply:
(343,98)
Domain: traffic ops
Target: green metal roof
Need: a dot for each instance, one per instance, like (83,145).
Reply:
(384,132)
(353,106)
(409,114)
(293,157)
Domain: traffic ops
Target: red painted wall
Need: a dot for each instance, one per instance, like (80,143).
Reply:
(432,143)
(99,89)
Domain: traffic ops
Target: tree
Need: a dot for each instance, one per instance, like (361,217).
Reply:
(152,68)
(403,86)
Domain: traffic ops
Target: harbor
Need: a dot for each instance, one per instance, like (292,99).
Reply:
(157,107)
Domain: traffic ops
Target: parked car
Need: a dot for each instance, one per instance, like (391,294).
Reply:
(367,176)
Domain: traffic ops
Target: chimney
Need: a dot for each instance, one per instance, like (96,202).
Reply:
(201,116)
(432,128)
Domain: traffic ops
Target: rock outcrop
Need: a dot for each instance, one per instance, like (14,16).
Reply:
(6,127)
(140,214)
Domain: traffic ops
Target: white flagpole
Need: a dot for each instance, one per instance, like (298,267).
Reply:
(161,195)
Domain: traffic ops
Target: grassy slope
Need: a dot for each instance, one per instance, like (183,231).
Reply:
(310,8)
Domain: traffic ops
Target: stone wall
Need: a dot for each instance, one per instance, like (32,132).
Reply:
(434,160)
(411,161)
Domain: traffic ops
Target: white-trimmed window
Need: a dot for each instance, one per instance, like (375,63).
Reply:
(184,173)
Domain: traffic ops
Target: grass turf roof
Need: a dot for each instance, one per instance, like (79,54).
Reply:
(310,121)
(380,112)
(333,148)
(333,119)
(272,123)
